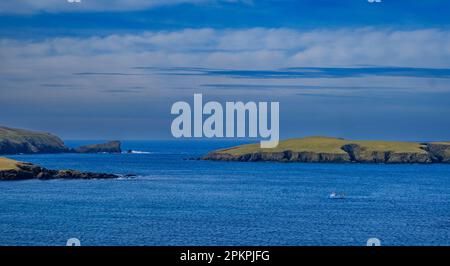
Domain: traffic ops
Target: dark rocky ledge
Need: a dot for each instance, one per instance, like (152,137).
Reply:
(109,147)
(13,170)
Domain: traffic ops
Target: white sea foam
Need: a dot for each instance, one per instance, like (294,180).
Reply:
(138,152)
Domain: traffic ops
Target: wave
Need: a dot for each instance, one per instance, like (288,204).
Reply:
(138,152)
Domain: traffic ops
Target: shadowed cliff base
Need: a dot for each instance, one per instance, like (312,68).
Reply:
(337,150)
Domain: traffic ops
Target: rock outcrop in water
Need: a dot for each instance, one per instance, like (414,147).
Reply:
(16,141)
(335,150)
(13,170)
(109,147)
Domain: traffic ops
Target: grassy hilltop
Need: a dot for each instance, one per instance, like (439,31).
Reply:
(327,145)
(327,149)
(8,164)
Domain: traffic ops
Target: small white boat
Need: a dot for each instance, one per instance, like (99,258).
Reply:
(335,195)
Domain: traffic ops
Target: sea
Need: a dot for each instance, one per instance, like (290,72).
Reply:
(175,200)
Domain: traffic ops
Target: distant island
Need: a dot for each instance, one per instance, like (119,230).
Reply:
(337,150)
(17,141)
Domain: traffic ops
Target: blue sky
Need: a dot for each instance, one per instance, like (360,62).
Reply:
(111,69)
(72,19)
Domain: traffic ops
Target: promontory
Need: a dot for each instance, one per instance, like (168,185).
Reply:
(11,170)
(338,150)
(16,141)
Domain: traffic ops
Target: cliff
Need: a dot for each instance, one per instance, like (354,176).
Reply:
(439,151)
(109,147)
(15,141)
(335,150)
(13,170)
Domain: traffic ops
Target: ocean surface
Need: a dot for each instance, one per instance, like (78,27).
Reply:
(175,201)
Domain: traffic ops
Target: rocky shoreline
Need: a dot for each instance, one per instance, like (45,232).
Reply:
(333,150)
(11,170)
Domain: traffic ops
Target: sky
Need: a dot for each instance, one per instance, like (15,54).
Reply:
(112,69)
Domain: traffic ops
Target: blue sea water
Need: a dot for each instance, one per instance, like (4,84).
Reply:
(174,201)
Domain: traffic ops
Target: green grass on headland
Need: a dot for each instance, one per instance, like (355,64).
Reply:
(328,145)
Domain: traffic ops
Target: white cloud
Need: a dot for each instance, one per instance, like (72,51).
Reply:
(37,76)
(33,6)
(257,48)
(26,64)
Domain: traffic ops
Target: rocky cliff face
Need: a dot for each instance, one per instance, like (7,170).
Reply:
(109,147)
(439,152)
(14,141)
(23,171)
(285,156)
(339,151)
(358,153)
